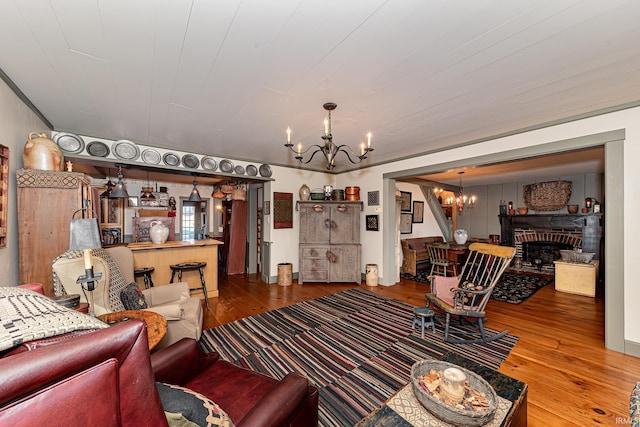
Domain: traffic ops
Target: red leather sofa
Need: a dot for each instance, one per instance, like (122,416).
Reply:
(107,378)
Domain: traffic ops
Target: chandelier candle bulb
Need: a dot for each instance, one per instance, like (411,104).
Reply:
(326,127)
(288,135)
(369,139)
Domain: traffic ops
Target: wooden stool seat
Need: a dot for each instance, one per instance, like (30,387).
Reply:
(419,316)
(188,266)
(145,273)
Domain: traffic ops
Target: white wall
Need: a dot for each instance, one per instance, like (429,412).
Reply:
(16,122)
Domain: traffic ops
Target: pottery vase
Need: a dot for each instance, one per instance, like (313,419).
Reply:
(158,232)
(42,153)
(305,192)
(461,236)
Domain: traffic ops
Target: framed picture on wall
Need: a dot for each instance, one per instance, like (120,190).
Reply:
(418,212)
(405,203)
(372,223)
(406,225)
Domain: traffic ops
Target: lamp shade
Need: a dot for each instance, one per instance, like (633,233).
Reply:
(195,194)
(84,234)
(119,191)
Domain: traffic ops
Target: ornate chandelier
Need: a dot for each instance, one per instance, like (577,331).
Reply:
(462,200)
(329,149)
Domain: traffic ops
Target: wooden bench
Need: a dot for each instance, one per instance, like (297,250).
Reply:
(414,251)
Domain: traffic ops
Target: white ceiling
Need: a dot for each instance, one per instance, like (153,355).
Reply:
(226,78)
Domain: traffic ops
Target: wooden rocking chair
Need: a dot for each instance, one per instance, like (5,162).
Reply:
(467,295)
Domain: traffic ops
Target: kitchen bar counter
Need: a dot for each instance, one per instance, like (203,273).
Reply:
(161,257)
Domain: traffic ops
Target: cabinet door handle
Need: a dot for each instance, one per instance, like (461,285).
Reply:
(342,208)
(330,224)
(331,256)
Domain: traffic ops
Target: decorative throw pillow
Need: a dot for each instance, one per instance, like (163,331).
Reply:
(28,316)
(180,403)
(132,297)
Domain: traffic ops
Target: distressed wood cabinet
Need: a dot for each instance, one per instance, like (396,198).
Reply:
(47,200)
(330,241)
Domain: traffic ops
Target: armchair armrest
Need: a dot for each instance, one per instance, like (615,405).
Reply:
(159,295)
(168,311)
(276,408)
(181,362)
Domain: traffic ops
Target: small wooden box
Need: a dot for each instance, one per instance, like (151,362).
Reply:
(576,278)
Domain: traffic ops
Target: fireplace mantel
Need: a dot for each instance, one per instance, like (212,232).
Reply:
(590,224)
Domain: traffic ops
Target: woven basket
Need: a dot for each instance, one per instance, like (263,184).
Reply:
(547,196)
(449,413)
(227,188)
(238,195)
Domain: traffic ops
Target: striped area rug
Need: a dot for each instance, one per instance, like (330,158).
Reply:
(355,346)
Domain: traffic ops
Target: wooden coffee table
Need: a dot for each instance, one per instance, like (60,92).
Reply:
(156,324)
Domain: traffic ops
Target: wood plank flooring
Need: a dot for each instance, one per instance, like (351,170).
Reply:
(573,379)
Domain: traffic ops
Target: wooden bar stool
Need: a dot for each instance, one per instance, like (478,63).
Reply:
(188,266)
(145,273)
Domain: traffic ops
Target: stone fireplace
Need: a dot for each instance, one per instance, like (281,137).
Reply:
(544,244)
(542,236)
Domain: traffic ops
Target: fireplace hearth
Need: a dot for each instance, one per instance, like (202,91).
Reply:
(542,236)
(547,252)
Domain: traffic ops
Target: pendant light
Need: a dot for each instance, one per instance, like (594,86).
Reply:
(119,191)
(147,194)
(195,194)
(217,193)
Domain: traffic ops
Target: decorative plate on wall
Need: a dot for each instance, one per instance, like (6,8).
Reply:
(98,149)
(126,150)
(239,170)
(69,142)
(151,156)
(170,159)
(209,163)
(265,170)
(252,170)
(226,166)
(190,161)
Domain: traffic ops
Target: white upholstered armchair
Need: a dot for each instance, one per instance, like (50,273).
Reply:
(183,313)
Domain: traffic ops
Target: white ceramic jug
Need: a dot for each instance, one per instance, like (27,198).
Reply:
(461,236)
(158,232)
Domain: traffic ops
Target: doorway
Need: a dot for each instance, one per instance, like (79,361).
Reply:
(612,142)
(193,219)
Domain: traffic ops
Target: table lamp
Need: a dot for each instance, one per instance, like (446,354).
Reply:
(84,235)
